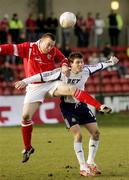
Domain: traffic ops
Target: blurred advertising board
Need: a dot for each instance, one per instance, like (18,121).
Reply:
(49,111)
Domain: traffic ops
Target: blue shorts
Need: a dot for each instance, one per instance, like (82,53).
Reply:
(76,114)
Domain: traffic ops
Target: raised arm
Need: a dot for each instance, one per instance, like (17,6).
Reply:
(100,66)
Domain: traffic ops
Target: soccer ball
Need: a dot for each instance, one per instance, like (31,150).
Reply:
(67,20)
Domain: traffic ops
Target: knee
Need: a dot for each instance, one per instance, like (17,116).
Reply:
(26,117)
(96,135)
(72,90)
(78,137)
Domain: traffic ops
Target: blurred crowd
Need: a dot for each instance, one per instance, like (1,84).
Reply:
(15,31)
(88,30)
(91,27)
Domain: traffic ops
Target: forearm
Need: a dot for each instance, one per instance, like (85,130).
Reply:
(98,67)
(35,78)
(106,64)
(111,62)
(44,77)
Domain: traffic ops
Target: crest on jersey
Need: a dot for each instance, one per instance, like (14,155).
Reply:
(49,56)
(37,58)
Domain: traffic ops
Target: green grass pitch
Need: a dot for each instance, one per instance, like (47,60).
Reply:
(54,158)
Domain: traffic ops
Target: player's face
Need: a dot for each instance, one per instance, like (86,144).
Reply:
(46,44)
(77,65)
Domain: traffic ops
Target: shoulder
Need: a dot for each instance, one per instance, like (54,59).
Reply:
(35,44)
(86,68)
(56,51)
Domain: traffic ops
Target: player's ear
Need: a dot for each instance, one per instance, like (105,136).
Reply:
(70,64)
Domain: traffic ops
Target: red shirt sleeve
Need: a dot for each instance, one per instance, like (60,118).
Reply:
(60,58)
(6,49)
(21,50)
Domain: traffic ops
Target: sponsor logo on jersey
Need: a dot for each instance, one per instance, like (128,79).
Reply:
(38,58)
(73,81)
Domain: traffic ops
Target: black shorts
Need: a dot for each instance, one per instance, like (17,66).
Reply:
(76,114)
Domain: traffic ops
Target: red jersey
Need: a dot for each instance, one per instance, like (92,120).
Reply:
(34,60)
(89,23)
(30,25)
(4,25)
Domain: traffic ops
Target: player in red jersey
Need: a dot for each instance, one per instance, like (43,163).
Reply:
(39,57)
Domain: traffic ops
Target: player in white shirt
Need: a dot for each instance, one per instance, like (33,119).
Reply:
(75,112)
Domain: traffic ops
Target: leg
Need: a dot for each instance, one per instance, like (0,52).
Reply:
(93,146)
(69,90)
(84,170)
(28,111)
(75,130)
(68,111)
(71,121)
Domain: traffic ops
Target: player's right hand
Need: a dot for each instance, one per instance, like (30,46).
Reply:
(105,109)
(65,70)
(20,84)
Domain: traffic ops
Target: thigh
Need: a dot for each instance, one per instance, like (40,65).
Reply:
(67,110)
(64,89)
(75,129)
(84,114)
(30,108)
(35,93)
(38,92)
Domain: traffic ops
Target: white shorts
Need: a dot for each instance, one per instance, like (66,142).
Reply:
(38,92)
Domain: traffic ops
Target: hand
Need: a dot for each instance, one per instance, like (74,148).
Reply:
(65,70)
(20,84)
(105,109)
(113,60)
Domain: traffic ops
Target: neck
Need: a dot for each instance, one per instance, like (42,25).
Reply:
(73,71)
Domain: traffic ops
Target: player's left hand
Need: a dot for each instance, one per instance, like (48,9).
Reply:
(20,84)
(105,109)
(65,70)
(113,60)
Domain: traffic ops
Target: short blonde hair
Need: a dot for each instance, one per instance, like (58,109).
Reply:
(50,35)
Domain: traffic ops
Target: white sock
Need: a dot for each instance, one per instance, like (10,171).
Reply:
(93,147)
(80,155)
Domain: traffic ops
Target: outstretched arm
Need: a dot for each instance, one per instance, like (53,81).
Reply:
(41,77)
(20,50)
(100,66)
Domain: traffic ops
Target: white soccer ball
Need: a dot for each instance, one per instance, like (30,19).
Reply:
(67,20)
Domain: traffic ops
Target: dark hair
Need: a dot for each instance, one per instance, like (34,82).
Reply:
(50,35)
(74,55)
